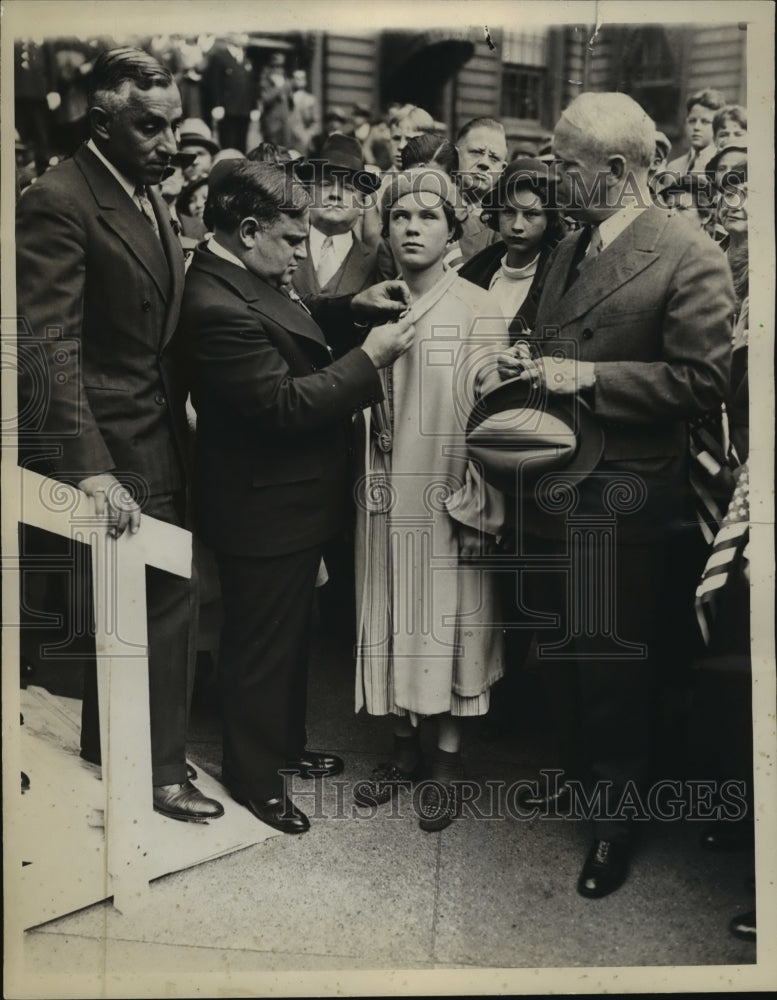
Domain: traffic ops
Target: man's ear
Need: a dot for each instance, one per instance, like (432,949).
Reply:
(617,166)
(100,121)
(247,231)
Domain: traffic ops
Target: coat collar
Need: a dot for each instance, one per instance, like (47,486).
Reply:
(160,257)
(631,252)
(271,302)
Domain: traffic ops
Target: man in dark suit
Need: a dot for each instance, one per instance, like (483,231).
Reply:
(336,261)
(98,263)
(635,320)
(273,410)
(229,90)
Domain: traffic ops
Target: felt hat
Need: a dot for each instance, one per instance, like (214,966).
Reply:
(194,132)
(341,156)
(735,147)
(517,432)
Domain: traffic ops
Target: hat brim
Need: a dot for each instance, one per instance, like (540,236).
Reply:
(191,139)
(309,171)
(518,432)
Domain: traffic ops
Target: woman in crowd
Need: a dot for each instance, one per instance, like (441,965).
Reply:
(520,208)
(191,201)
(425,642)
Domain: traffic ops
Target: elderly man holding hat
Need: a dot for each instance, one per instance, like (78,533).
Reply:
(337,261)
(635,322)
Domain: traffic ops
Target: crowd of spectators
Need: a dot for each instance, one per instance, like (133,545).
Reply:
(237,107)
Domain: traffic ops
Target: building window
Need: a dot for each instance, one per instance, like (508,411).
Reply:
(522,92)
(524,57)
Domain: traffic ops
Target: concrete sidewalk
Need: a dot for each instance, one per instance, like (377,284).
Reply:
(364,891)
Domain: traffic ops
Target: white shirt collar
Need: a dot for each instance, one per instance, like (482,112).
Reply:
(128,185)
(341,243)
(220,251)
(517,273)
(613,226)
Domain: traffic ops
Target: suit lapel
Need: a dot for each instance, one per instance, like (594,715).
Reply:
(631,252)
(265,299)
(119,214)
(354,269)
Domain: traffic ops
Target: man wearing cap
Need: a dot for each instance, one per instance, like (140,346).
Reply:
(635,321)
(337,261)
(100,276)
(197,138)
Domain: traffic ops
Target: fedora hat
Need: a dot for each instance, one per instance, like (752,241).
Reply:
(341,156)
(194,132)
(517,432)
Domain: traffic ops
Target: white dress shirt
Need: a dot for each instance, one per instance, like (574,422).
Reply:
(341,245)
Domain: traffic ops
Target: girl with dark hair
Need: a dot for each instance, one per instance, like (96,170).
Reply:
(520,208)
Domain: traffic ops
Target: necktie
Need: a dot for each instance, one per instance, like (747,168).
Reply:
(594,245)
(327,262)
(588,247)
(146,208)
(692,157)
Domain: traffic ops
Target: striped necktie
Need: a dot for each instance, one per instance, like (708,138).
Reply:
(146,208)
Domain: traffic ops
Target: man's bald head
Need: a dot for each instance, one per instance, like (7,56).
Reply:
(611,124)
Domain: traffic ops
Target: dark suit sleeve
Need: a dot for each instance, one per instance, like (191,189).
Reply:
(693,374)
(239,363)
(333,314)
(51,251)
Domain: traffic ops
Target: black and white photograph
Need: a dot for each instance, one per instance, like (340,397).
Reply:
(388,498)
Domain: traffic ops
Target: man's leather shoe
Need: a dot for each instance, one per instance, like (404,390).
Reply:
(605,868)
(281,814)
(743,926)
(317,764)
(185,802)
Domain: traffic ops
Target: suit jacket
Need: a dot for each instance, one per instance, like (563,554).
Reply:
(481,268)
(654,312)
(99,296)
(475,235)
(356,273)
(229,83)
(273,410)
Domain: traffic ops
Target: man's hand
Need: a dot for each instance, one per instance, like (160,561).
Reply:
(217,113)
(113,499)
(384,344)
(512,363)
(562,376)
(385,301)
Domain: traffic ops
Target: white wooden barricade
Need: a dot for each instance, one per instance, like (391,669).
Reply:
(121,640)
(68,864)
